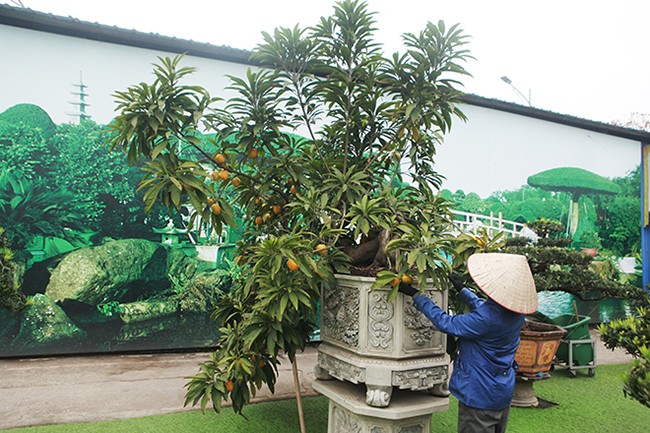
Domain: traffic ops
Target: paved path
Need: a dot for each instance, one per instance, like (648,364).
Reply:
(93,388)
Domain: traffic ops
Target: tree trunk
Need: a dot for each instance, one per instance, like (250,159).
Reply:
(296,384)
(574,219)
(381,259)
(363,254)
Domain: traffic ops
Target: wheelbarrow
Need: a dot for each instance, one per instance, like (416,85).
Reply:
(577,349)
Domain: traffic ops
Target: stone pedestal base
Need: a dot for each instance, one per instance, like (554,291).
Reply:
(408,412)
(381,375)
(524,395)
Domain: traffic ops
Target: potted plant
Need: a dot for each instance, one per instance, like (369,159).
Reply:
(330,200)
(589,243)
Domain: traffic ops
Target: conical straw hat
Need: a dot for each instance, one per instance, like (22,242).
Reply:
(506,279)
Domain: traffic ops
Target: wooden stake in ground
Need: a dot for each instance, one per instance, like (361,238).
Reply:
(296,384)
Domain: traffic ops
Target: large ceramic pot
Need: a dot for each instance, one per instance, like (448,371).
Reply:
(537,348)
(367,339)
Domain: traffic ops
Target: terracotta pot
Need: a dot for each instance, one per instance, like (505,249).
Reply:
(537,348)
(593,252)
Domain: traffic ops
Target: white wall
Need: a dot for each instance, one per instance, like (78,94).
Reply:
(41,68)
(496,151)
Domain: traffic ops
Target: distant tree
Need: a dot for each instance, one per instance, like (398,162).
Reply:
(25,147)
(618,217)
(637,120)
(447,195)
(528,204)
(472,203)
(87,168)
(458,197)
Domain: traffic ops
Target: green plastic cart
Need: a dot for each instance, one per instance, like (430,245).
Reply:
(577,349)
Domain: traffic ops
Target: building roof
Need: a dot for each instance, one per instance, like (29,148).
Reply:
(68,26)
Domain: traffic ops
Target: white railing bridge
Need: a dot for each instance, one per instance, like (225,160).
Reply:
(493,224)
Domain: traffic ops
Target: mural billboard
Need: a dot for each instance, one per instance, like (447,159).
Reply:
(98,272)
(84,269)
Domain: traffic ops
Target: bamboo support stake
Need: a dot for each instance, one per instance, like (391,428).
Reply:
(575,310)
(296,384)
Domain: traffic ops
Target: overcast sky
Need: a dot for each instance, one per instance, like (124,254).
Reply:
(586,58)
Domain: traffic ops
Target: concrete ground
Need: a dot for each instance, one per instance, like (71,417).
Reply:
(93,388)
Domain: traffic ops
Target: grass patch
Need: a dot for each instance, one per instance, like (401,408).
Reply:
(584,404)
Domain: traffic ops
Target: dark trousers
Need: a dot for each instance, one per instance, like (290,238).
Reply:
(473,420)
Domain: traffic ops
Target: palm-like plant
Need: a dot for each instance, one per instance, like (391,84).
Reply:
(333,200)
(32,207)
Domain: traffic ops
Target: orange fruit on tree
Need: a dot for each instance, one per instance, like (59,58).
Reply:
(223,175)
(407,279)
(252,153)
(216,209)
(321,249)
(258,220)
(215,175)
(294,190)
(276,209)
(210,201)
(292,265)
(229,385)
(236,181)
(395,281)
(219,158)
(267,216)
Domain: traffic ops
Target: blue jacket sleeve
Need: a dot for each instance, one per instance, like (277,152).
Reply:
(470,299)
(471,325)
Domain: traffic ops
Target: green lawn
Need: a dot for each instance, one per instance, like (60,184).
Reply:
(584,404)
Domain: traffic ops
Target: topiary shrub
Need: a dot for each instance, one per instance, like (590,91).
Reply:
(29,115)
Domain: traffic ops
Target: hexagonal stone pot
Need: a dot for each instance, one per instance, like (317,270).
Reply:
(367,339)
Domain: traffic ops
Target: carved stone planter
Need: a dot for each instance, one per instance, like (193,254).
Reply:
(366,339)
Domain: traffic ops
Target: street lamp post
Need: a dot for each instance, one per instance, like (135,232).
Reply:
(508,81)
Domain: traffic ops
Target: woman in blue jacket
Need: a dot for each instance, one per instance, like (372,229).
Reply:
(483,377)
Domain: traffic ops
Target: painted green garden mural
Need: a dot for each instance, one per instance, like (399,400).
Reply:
(84,268)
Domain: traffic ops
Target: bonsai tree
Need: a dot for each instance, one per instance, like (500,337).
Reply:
(576,182)
(556,267)
(330,200)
